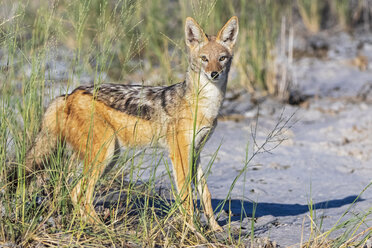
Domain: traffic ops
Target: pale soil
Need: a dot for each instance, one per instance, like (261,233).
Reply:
(326,157)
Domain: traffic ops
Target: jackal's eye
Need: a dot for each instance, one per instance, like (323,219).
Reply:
(223,58)
(204,58)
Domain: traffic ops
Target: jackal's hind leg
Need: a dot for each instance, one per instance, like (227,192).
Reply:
(96,157)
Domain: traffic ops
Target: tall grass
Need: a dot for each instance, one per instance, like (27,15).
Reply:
(310,11)
(49,47)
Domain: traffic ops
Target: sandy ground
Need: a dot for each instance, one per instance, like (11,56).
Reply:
(325,158)
(326,155)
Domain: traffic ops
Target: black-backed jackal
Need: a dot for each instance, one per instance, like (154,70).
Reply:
(95,120)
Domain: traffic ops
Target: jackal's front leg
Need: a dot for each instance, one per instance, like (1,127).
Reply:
(178,144)
(205,196)
(201,182)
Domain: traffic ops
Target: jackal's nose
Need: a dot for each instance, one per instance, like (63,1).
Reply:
(214,74)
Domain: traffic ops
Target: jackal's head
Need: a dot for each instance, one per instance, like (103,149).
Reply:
(211,55)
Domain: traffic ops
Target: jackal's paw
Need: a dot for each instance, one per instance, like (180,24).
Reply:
(90,216)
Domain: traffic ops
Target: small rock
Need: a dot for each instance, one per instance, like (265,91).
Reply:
(51,222)
(265,220)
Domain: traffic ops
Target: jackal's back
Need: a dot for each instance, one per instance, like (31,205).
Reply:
(145,102)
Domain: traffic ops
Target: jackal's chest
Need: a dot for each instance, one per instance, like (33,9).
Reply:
(210,101)
(210,109)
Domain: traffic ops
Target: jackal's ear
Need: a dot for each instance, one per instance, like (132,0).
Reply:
(229,32)
(193,33)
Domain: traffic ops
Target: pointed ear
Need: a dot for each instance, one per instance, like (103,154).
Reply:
(229,32)
(193,33)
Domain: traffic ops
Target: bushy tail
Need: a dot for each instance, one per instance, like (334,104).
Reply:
(47,139)
(44,145)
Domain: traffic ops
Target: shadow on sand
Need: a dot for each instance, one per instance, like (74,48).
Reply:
(278,209)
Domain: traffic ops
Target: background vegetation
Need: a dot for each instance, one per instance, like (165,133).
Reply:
(49,45)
